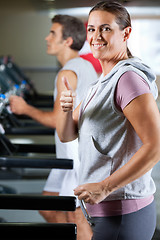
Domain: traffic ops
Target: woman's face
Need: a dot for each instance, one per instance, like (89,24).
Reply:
(106,40)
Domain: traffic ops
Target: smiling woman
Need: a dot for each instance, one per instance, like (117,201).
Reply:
(108,36)
(117,150)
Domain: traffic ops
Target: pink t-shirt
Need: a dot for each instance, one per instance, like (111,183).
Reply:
(129,86)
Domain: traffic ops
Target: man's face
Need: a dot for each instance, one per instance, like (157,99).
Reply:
(55,41)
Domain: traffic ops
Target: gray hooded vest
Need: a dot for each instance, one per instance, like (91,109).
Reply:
(107,140)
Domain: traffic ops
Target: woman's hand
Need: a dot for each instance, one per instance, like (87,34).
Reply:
(67,97)
(67,126)
(91,192)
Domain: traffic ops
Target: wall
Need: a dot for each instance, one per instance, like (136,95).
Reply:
(23,32)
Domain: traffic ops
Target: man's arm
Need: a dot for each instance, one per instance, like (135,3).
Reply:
(48,118)
(19,106)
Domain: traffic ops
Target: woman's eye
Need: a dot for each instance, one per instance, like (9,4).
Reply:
(90,29)
(106,29)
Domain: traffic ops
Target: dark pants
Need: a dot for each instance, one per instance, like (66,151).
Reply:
(139,225)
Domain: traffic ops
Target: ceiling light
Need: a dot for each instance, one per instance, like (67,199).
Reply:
(134,11)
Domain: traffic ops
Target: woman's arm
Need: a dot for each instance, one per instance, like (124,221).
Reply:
(67,123)
(144,116)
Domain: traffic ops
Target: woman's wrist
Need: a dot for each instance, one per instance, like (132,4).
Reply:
(107,186)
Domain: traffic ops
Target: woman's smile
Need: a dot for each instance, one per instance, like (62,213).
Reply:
(98,46)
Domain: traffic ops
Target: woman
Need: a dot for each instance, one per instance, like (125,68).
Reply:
(118,126)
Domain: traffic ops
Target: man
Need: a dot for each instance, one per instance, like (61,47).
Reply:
(67,36)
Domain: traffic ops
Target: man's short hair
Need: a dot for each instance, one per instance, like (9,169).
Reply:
(72,27)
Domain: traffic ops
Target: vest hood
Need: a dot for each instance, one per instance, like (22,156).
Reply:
(135,64)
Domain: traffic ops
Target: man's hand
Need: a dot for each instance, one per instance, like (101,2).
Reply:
(18,105)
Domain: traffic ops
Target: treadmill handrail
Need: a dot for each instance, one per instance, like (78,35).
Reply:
(38,231)
(35,162)
(30,131)
(37,202)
